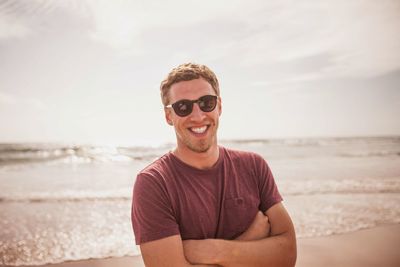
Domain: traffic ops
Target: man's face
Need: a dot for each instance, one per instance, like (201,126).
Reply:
(197,131)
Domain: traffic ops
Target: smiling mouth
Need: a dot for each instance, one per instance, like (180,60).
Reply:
(199,130)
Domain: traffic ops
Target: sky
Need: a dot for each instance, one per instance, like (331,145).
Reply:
(89,71)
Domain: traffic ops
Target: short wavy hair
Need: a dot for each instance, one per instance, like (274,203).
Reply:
(187,72)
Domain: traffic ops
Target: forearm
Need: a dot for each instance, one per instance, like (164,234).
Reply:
(260,245)
(279,250)
(164,260)
(199,265)
(274,251)
(168,252)
(181,264)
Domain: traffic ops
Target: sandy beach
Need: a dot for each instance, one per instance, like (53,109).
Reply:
(343,196)
(368,248)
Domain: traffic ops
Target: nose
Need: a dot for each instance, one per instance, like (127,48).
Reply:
(197,114)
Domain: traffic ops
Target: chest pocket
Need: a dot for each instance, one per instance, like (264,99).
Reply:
(237,216)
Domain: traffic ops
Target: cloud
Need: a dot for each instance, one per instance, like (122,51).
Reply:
(12,27)
(361,38)
(20,19)
(123,24)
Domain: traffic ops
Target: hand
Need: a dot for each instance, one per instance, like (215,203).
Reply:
(259,228)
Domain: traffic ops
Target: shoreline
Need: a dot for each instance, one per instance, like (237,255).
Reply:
(371,247)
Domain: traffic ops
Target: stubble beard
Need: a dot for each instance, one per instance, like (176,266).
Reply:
(201,146)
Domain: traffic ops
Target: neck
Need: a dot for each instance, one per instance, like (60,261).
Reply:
(203,160)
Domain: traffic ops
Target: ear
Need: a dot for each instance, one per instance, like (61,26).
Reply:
(168,115)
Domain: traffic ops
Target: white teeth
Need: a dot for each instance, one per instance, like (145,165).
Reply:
(199,130)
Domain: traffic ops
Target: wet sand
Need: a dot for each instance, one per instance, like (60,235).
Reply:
(368,248)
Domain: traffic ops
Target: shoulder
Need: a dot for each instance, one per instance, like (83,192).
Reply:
(157,167)
(155,173)
(248,162)
(237,156)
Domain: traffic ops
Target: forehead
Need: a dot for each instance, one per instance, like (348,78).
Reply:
(191,90)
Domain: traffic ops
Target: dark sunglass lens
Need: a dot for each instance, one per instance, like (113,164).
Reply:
(207,103)
(183,107)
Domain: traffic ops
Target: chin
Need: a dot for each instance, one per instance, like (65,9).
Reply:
(200,148)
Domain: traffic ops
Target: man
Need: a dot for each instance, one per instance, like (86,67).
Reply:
(202,204)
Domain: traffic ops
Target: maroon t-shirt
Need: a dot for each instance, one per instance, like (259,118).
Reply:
(171,197)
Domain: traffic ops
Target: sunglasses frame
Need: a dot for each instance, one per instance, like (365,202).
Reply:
(192,102)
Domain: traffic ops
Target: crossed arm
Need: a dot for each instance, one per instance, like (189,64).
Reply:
(269,241)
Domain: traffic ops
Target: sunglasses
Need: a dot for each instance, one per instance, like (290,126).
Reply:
(184,107)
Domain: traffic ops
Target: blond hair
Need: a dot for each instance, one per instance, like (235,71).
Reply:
(187,72)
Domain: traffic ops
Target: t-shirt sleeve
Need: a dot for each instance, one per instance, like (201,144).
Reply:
(152,215)
(269,193)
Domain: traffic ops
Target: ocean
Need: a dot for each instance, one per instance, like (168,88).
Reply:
(72,202)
